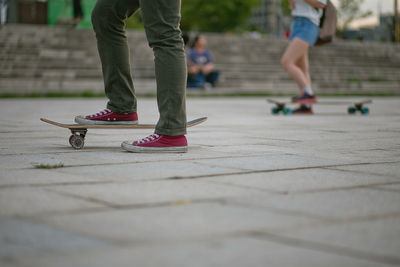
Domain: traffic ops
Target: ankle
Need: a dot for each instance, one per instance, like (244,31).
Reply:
(307,90)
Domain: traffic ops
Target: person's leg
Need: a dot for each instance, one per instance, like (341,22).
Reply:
(212,77)
(200,79)
(303,64)
(161,19)
(78,13)
(108,18)
(294,52)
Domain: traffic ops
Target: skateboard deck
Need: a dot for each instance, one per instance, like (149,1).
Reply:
(77,139)
(353,106)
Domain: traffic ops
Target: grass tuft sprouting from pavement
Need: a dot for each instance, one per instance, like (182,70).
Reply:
(49,166)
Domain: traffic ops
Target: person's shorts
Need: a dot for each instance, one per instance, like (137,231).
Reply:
(304,29)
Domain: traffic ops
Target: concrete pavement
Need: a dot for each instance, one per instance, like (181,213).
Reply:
(254,190)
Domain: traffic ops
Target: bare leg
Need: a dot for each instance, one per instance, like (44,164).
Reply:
(294,52)
(303,64)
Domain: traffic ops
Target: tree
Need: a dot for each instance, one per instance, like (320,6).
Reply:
(349,10)
(216,15)
(285,7)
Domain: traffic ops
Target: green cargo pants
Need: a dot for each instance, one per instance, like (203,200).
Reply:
(161,19)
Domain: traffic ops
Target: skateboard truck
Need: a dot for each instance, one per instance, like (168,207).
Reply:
(281,107)
(358,107)
(77,139)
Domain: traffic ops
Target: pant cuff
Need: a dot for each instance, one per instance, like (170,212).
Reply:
(171,132)
(113,109)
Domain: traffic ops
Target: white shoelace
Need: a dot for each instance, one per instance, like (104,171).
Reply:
(103,112)
(149,138)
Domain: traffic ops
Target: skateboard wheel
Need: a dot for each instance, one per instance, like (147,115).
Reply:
(351,110)
(77,141)
(275,110)
(287,111)
(365,111)
(70,139)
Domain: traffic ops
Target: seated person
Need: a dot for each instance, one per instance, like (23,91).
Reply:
(201,70)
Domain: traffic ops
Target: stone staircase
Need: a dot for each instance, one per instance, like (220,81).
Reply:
(63,60)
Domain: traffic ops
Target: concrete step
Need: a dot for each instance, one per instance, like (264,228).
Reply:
(63,58)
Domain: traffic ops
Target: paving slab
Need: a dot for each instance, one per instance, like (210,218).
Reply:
(390,187)
(172,223)
(388,169)
(33,177)
(377,237)
(20,238)
(33,201)
(335,205)
(213,253)
(252,189)
(305,180)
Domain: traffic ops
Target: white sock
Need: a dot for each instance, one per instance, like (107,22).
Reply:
(308,90)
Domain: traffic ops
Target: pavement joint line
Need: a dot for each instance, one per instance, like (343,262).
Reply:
(107,206)
(218,166)
(362,172)
(294,213)
(45,214)
(55,184)
(321,190)
(166,204)
(324,247)
(278,192)
(386,189)
(321,220)
(22,131)
(280,170)
(88,199)
(343,188)
(334,131)
(366,218)
(135,206)
(68,150)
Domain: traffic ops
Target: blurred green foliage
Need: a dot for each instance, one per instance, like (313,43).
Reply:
(135,21)
(285,7)
(349,10)
(216,16)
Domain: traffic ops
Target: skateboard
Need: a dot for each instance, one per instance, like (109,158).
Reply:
(353,106)
(77,139)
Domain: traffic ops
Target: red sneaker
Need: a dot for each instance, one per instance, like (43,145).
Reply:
(158,143)
(108,117)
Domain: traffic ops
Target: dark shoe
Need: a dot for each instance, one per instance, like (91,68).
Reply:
(303,109)
(304,98)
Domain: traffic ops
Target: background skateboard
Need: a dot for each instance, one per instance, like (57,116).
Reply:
(353,106)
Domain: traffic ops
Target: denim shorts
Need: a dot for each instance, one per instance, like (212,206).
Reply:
(304,29)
